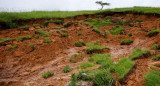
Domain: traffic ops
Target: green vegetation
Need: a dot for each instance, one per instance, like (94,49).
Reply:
(32,46)
(47,40)
(5,39)
(97,31)
(24,26)
(21,38)
(123,67)
(41,33)
(121,22)
(153,32)
(97,22)
(12,47)
(106,33)
(67,69)
(156,65)
(79,33)
(47,74)
(79,43)
(116,30)
(157,57)
(73,80)
(153,78)
(63,33)
(138,20)
(103,78)
(156,46)
(138,53)
(126,42)
(93,47)
(131,24)
(74,57)
(53,21)
(130,34)
(86,65)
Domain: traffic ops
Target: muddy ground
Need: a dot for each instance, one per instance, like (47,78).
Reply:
(24,66)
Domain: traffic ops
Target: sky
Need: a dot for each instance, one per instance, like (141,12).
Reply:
(69,5)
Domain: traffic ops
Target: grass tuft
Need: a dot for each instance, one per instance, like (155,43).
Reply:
(67,69)
(153,32)
(97,31)
(121,22)
(5,39)
(157,57)
(47,40)
(21,38)
(126,42)
(47,74)
(156,46)
(12,47)
(79,43)
(106,33)
(86,65)
(117,30)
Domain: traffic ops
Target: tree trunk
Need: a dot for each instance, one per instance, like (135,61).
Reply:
(102,7)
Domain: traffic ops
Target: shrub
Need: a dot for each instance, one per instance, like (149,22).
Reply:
(116,30)
(92,47)
(130,34)
(123,67)
(79,43)
(79,33)
(106,33)
(47,40)
(140,53)
(139,21)
(5,39)
(21,38)
(97,31)
(153,32)
(47,74)
(157,57)
(86,65)
(103,78)
(153,78)
(12,47)
(66,69)
(121,22)
(126,42)
(156,46)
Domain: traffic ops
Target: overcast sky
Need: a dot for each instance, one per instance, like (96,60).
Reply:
(70,5)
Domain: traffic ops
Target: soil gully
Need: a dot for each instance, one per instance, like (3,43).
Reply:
(21,66)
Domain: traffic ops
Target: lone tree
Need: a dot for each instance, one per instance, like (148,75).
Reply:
(102,3)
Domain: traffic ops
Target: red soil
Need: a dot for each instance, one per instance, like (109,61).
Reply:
(22,66)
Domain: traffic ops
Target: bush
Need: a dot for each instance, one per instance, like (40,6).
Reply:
(157,57)
(126,42)
(106,33)
(156,46)
(47,40)
(86,65)
(116,30)
(103,78)
(97,31)
(140,53)
(66,69)
(47,74)
(12,47)
(79,43)
(153,32)
(5,39)
(153,78)
(121,22)
(21,38)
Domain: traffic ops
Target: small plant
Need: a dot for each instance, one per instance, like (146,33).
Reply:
(156,57)
(153,78)
(47,74)
(79,43)
(41,33)
(121,22)
(130,34)
(116,30)
(79,33)
(73,80)
(47,40)
(97,31)
(106,33)
(74,57)
(153,32)
(5,40)
(131,24)
(23,27)
(156,46)
(32,46)
(21,38)
(139,20)
(12,47)
(66,69)
(126,42)
(64,34)
(86,65)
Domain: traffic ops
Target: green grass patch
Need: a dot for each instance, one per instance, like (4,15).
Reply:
(93,47)
(24,26)
(121,22)
(153,78)
(117,30)
(47,40)
(47,74)
(157,57)
(67,69)
(6,39)
(126,42)
(138,53)
(41,33)
(63,33)
(57,21)
(131,24)
(106,33)
(98,31)
(12,47)
(153,32)
(130,34)
(139,20)
(21,38)
(156,46)
(79,43)
(86,65)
